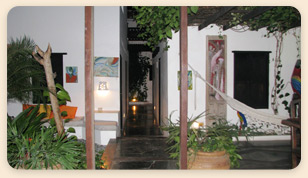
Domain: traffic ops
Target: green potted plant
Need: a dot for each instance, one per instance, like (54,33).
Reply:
(210,147)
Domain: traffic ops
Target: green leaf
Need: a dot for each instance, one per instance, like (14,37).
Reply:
(194,9)
(169,32)
(63,95)
(62,102)
(71,130)
(64,113)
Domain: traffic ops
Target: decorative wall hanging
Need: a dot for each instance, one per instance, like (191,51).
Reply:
(190,85)
(216,65)
(106,66)
(71,74)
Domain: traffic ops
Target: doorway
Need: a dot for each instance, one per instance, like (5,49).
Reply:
(142,119)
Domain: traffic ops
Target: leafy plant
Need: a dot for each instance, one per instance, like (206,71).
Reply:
(27,122)
(158,22)
(45,149)
(278,19)
(24,74)
(212,138)
(62,95)
(99,162)
(31,145)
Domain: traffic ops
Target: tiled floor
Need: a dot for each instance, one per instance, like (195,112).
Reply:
(143,147)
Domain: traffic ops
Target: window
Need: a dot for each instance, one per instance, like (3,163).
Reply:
(251,71)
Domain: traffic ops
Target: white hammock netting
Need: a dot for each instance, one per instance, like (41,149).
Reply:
(243,108)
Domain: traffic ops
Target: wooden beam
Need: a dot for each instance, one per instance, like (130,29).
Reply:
(184,87)
(215,16)
(89,104)
(256,12)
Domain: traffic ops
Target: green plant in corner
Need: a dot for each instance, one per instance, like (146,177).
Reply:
(30,145)
(24,74)
(218,137)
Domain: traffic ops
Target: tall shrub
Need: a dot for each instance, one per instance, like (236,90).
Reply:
(24,74)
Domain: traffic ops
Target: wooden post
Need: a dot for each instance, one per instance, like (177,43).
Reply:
(89,98)
(184,87)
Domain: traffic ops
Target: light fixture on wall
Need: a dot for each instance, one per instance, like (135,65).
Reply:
(102,85)
(103,88)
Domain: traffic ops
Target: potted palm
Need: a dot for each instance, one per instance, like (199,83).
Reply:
(210,147)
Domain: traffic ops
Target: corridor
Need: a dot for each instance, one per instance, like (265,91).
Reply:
(141,122)
(142,145)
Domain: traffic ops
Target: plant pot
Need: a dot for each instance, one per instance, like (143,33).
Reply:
(41,110)
(71,110)
(209,160)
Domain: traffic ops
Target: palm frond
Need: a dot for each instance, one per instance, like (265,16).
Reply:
(24,74)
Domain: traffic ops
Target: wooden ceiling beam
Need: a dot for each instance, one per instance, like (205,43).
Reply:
(214,17)
(256,12)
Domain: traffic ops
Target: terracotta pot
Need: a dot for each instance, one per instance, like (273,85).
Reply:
(209,160)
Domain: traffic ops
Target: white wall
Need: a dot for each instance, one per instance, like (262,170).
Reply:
(63,28)
(247,41)
(107,44)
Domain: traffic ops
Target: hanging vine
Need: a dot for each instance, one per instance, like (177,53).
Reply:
(158,22)
(279,84)
(277,22)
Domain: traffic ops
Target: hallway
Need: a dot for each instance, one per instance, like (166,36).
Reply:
(142,145)
(141,122)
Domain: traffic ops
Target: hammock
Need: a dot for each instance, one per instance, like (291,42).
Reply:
(246,110)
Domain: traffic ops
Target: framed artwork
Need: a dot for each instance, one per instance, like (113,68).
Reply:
(216,65)
(106,66)
(190,85)
(71,74)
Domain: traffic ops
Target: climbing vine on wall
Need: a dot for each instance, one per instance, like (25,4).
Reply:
(277,22)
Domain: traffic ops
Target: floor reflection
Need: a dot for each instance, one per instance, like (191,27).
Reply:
(141,122)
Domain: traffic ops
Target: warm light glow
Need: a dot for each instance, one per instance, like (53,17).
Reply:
(195,125)
(134,100)
(102,92)
(134,108)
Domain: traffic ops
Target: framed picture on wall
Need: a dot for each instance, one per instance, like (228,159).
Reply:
(189,80)
(106,66)
(71,74)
